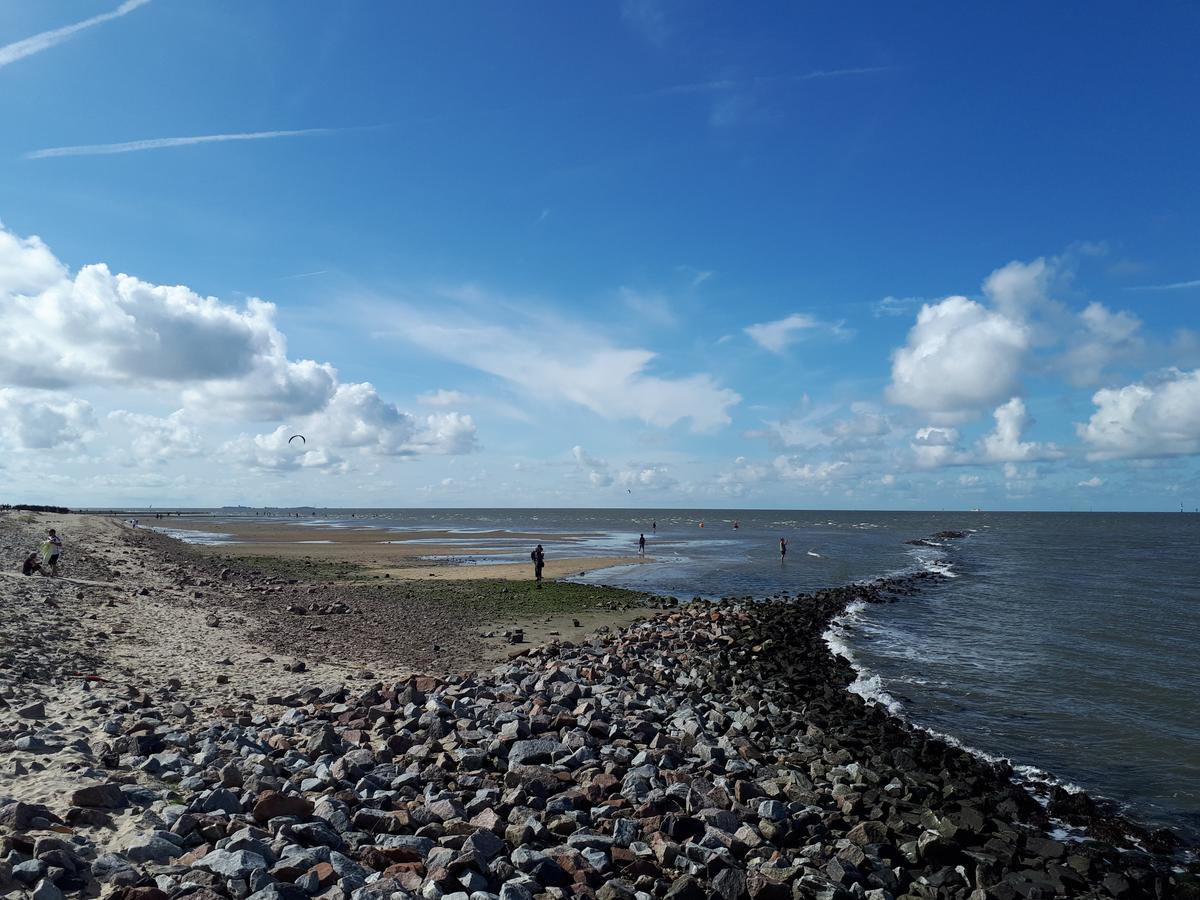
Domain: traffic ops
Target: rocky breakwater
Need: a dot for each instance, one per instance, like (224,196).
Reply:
(712,752)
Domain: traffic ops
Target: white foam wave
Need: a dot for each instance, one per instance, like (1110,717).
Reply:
(941,567)
(866,684)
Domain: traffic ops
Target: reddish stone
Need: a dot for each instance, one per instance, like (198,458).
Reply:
(325,873)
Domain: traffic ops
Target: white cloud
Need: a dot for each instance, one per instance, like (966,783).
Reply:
(1102,337)
(37,420)
(1004,444)
(116,333)
(896,306)
(166,143)
(790,468)
(274,453)
(1094,481)
(1016,288)
(553,359)
(442,397)
(936,437)
(101,328)
(356,419)
(777,336)
(596,469)
(933,447)
(47,39)
(959,357)
(158,439)
(647,477)
(1146,419)
(444,433)
(273,388)
(822,426)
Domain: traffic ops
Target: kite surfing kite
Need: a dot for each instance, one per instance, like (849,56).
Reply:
(303,440)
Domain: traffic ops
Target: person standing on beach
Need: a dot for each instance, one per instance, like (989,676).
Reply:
(642,545)
(53,547)
(782,548)
(539,561)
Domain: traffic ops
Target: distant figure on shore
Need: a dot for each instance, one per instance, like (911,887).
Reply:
(782,548)
(539,562)
(642,545)
(31,566)
(654,525)
(53,550)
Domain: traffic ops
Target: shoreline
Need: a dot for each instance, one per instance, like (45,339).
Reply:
(792,784)
(378,551)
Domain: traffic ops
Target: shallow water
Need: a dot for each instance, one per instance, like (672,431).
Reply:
(1063,642)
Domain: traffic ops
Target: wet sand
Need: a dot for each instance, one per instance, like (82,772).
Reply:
(432,553)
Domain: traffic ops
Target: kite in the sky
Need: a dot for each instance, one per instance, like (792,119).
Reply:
(303,440)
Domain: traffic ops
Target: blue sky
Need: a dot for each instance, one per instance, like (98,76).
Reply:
(643,253)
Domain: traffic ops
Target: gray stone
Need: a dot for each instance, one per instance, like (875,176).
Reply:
(103,795)
(772,811)
(108,866)
(29,872)
(143,848)
(484,843)
(236,864)
(534,752)
(46,890)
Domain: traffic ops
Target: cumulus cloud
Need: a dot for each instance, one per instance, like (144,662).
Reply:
(791,468)
(444,433)
(777,336)
(1004,444)
(596,469)
(1093,482)
(1016,288)
(933,447)
(355,419)
(274,452)
(959,357)
(1146,419)
(101,328)
(646,477)
(550,358)
(1101,338)
(229,364)
(158,439)
(33,420)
